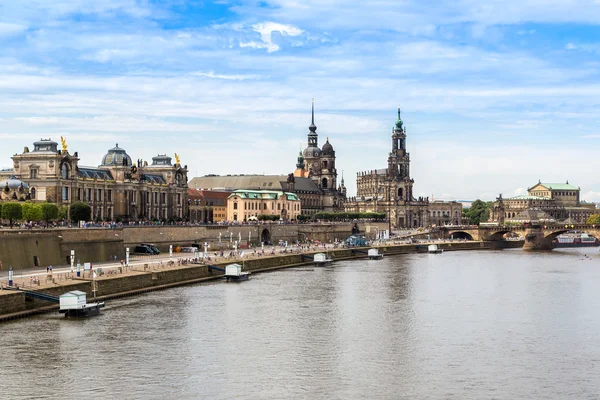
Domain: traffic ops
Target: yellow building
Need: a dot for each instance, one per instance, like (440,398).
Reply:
(247,205)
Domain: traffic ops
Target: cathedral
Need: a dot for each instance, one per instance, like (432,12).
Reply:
(390,190)
(318,164)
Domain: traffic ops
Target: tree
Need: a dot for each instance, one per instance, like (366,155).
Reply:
(80,211)
(32,212)
(12,212)
(63,212)
(49,212)
(593,219)
(478,212)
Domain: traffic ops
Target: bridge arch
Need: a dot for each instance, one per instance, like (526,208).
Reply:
(461,235)
(498,235)
(265,236)
(553,235)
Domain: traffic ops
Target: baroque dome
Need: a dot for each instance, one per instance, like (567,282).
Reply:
(13,183)
(116,156)
(312,151)
(327,148)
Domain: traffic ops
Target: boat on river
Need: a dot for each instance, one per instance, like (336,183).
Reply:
(374,254)
(575,239)
(321,259)
(74,304)
(234,273)
(434,249)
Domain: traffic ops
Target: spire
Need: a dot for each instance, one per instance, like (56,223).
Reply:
(399,120)
(300,163)
(342,177)
(313,127)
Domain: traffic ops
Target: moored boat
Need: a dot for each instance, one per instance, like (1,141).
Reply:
(234,273)
(374,254)
(434,249)
(321,259)
(575,239)
(74,304)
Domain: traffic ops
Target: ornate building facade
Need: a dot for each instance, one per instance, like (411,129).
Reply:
(117,188)
(244,205)
(314,181)
(319,165)
(559,201)
(390,190)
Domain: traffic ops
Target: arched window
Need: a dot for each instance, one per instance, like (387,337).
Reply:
(324,183)
(325,164)
(64,171)
(400,193)
(33,193)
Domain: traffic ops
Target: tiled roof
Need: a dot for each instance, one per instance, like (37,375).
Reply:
(262,194)
(527,197)
(558,186)
(159,179)
(91,173)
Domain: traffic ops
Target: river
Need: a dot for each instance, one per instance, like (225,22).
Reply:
(458,325)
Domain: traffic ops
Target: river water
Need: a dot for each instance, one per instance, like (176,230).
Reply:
(458,325)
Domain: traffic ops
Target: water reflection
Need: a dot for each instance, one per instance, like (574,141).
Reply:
(471,325)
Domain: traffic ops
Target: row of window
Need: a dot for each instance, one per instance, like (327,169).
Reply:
(256,206)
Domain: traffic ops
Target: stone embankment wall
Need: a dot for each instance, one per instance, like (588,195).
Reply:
(115,286)
(40,248)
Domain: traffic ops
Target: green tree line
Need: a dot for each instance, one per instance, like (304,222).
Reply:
(478,212)
(47,212)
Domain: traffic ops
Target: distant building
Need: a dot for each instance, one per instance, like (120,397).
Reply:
(247,205)
(390,190)
(117,188)
(314,181)
(207,206)
(559,202)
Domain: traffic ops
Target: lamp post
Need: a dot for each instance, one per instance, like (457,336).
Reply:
(72,259)
(170,252)
(219,238)
(127,257)
(10,276)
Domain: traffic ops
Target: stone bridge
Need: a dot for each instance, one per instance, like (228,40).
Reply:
(537,237)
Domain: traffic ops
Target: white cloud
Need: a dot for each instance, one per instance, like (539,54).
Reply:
(236,77)
(267,30)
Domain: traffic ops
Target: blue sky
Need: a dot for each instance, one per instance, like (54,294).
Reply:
(495,95)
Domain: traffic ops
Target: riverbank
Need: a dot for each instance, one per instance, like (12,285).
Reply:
(162,276)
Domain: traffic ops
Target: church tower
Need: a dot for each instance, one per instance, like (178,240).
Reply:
(399,162)
(312,153)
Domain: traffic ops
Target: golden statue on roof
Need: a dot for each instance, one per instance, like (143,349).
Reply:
(64,143)
(177,160)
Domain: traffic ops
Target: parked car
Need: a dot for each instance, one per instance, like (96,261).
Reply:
(143,250)
(152,247)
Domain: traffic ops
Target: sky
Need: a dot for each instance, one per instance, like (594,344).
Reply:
(495,95)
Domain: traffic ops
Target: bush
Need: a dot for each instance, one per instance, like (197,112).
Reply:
(80,211)
(268,217)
